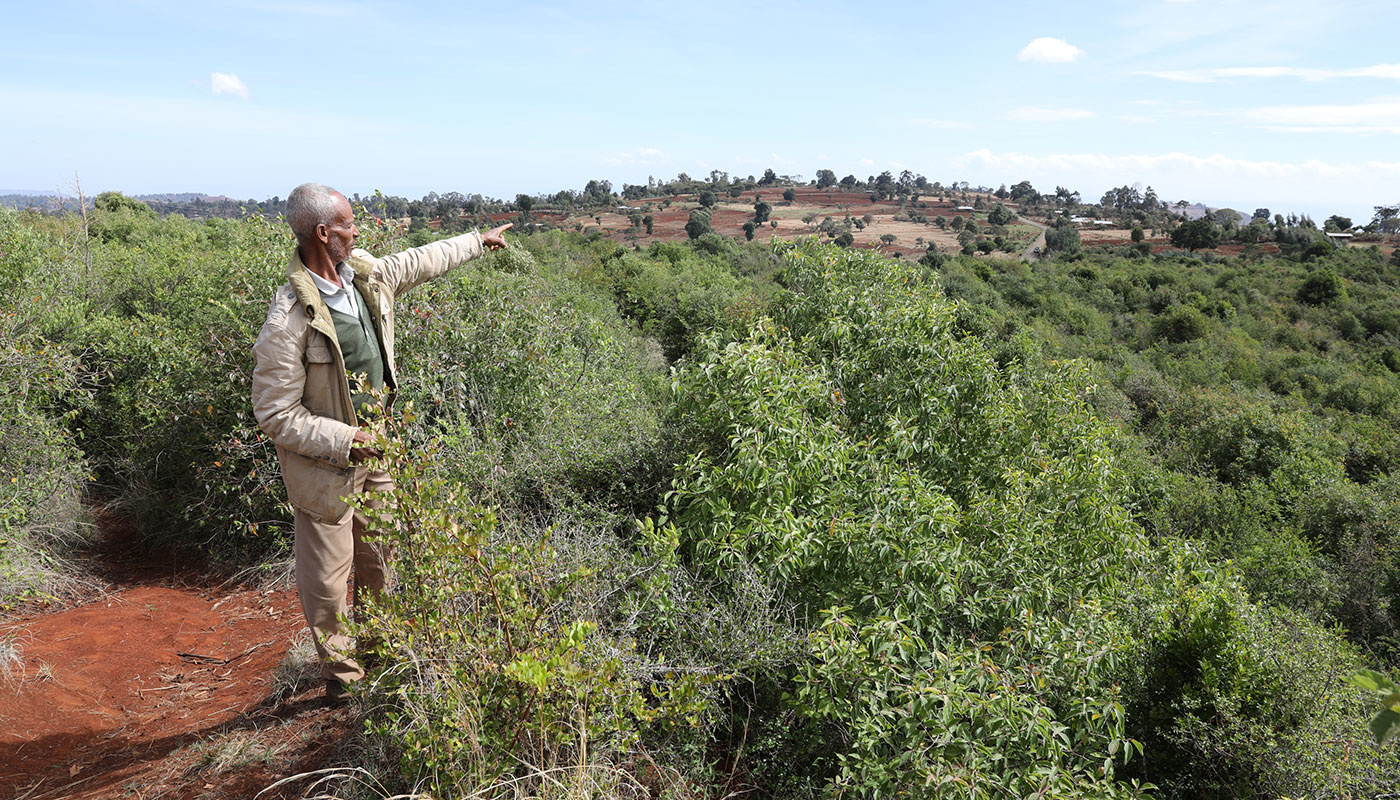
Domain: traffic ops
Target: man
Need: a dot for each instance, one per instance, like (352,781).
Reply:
(324,353)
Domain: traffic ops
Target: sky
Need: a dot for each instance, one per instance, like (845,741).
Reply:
(1289,105)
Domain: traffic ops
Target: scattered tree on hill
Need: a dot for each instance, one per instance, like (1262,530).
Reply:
(956,223)
(888,238)
(524,202)
(825,178)
(1386,219)
(597,193)
(708,199)
(1256,231)
(1261,213)
(940,222)
(649,223)
(1063,237)
(769,178)
(884,185)
(113,202)
(1024,192)
(1199,234)
(844,239)
(761,211)
(1337,224)
(699,223)
(1000,215)
(749,228)
(849,182)
(1137,235)
(789,194)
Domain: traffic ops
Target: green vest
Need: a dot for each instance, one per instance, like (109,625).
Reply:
(359,346)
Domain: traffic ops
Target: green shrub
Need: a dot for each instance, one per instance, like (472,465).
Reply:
(1322,286)
(1181,324)
(506,655)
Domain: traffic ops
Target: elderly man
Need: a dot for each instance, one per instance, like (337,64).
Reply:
(324,353)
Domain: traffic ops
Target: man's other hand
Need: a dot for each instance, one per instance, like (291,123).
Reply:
(360,449)
(495,239)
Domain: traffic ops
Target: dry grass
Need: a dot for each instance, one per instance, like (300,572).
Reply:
(297,671)
(234,751)
(11,660)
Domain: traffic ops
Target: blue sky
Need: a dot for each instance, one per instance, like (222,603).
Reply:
(1290,105)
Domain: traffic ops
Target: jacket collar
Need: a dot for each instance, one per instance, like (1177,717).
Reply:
(309,297)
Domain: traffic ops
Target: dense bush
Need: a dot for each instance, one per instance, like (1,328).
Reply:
(41,469)
(715,518)
(982,615)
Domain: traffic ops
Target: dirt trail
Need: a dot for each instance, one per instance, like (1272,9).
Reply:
(163,686)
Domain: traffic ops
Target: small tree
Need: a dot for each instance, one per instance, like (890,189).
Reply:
(699,223)
(1137,235)
(749,228)
(1199,234)
(845,239)
(1337,224)
(761,211)
(1063,238)
(888,239)
(1000,215)
(956,224)
(1321,287)
(648,222)
(708,199)
(789,194)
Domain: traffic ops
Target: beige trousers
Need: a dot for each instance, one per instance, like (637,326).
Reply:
(325,554)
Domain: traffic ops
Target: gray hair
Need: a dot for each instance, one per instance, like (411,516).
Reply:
(309,205)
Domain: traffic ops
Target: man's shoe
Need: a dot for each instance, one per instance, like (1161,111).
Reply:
(335,692)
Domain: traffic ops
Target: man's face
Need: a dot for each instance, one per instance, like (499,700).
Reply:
(341,232)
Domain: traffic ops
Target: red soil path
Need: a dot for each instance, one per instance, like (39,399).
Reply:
(133,693)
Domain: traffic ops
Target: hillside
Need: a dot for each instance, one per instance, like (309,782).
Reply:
(703,516)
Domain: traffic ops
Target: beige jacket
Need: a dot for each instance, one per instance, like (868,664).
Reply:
(301,394)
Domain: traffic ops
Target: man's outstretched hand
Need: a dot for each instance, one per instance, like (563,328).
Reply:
(495,239)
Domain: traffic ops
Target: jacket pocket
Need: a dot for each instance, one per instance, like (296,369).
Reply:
(318,354)
(316,487)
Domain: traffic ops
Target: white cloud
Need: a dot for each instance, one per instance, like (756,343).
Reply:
(1389,71)
(1037,114)
(1054,51)
(228,84)
(1374,116)
(641,157)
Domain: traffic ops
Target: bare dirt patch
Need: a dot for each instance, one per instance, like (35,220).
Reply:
(160,688)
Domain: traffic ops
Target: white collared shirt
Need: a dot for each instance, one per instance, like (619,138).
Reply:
(340,298)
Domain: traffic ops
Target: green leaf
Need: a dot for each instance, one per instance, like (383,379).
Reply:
(1385,726)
